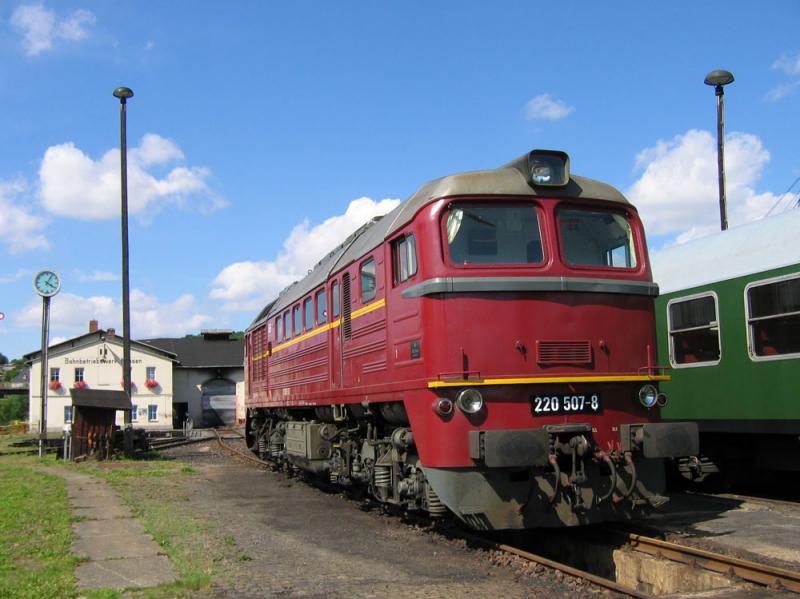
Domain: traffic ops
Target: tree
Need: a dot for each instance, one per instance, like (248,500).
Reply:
(3,360)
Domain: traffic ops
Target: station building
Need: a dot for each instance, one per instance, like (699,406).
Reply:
(201,378)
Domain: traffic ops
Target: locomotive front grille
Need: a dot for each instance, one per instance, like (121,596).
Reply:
(564,352)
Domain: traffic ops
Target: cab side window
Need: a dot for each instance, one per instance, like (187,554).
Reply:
(368,281)
(404,258)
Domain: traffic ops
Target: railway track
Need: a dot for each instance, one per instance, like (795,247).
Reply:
(753,572)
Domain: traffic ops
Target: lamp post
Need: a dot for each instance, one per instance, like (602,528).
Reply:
(718,79)
(123,93)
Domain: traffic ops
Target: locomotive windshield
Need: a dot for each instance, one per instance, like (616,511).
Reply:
(595,238)
(500,233)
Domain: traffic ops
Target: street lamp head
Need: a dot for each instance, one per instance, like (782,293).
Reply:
(719,77)
(123,93)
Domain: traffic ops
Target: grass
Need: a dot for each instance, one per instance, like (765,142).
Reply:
(35,531)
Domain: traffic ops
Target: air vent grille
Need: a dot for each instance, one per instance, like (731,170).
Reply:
(564,352)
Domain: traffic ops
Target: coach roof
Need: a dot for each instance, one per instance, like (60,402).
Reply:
(508,180)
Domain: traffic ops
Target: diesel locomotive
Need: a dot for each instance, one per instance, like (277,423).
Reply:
(488,348)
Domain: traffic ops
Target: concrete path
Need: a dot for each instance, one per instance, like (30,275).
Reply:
(120,553)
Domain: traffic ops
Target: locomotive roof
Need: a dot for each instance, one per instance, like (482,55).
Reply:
(508,180)
(756,247)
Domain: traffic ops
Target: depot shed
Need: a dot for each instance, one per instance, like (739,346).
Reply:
(94,416)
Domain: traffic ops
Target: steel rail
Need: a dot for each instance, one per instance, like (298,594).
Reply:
(554,565)
(762,574)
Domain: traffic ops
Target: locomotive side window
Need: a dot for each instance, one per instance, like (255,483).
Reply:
(773,318)
(368,281)
(404,258)
(287,325)
(594,238)
(308,314)
(694,331)
(298,323)
(278,329)
(500,233)
(322,307)
(335,299)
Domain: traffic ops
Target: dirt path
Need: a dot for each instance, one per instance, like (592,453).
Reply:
(298,541)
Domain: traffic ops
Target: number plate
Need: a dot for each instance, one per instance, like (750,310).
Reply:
(572,403)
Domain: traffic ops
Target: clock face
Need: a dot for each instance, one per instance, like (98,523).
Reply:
(46,283)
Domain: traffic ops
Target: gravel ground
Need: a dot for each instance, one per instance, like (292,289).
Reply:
(298,541)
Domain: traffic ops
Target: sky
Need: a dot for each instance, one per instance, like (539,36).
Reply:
(262,133)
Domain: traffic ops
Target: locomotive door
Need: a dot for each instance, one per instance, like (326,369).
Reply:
(335,338)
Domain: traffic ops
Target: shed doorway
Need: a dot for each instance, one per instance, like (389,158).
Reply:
(219,403)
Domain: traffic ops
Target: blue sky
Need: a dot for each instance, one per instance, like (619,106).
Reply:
(262,133)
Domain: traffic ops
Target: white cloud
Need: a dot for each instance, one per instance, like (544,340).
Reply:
(547,108)
(70,315)
(248,286)
(21,272)
(788,64)
(75,186)
(779,92)
(20,228)
(41,27)
(98,275)
(678,191)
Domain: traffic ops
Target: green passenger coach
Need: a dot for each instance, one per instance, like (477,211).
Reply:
(728,321)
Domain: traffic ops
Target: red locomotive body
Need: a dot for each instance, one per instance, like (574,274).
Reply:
(487,347)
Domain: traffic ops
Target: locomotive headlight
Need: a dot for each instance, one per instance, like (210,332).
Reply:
(648,396)
(443,406)
(469,401)
(548,168)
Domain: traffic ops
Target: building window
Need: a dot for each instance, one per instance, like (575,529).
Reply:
(368,281)
(151,373)
(335,300)
(152,413)
(773,318)
(79,375)
(322,307)
(135,413)
(298,323)
(404,258)
(694,330)
(55,375)
(67,414)
(308,314)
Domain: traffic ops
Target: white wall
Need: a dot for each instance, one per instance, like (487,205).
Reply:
(102,364)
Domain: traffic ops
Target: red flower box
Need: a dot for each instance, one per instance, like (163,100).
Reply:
(55,385)
(80,385)
(151,383)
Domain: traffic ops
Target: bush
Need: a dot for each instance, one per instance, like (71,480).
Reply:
(13,407)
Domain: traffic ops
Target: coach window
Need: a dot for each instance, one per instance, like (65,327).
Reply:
(308,314)
(595,238)
(773,318)
(694,330)
(335,300)
(500,233)
(298,323)
(368,281)
(404,258)
(287,325)
(322,306)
